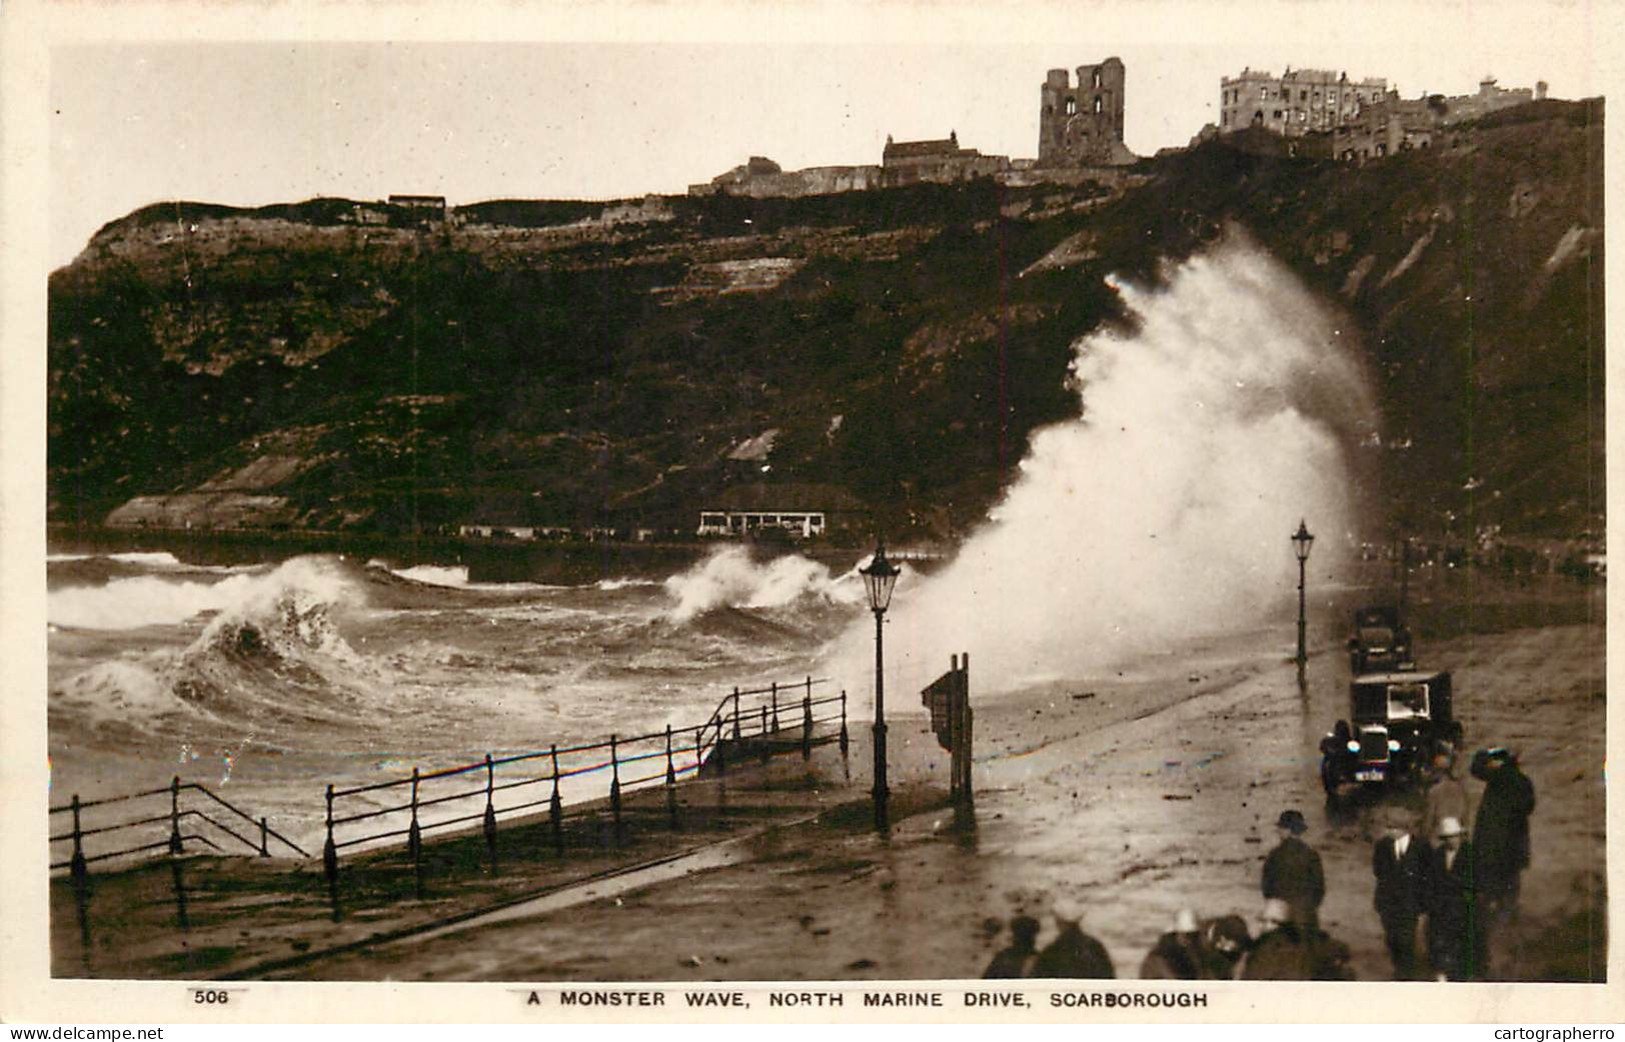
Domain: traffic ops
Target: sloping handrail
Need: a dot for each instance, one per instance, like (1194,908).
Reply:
(175,842)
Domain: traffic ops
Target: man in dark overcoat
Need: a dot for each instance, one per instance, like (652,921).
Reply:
(1290,950)
(1016,960)
(1400,862)
(1292,871)
(1453,931)
(1072,953)
(1501,832)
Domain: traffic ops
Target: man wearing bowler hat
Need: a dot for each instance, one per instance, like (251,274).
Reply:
(1292,872)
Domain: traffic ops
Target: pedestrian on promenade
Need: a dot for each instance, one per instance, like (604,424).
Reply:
(1501,837)
(1073,954)
(1447,796)
(1177,955)
(1400,862)
(1225,941)
(1292,871)
(1290,949)
(1453,933)
(1017,959)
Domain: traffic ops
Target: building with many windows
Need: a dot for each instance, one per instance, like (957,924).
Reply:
(1295,103)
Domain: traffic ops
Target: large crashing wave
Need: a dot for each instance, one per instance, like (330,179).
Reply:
(729,578)
(1224,415)
(271,650)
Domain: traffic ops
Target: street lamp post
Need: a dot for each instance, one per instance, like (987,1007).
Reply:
(1301,542)
(879,576)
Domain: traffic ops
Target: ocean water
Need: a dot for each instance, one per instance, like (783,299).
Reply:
(1230,407)
(266,683)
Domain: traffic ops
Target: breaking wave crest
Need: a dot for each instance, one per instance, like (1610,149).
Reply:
(729,578)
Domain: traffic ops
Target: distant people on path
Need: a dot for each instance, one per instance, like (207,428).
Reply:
(1453,934)
(1501,836)
(1399,860)
(1290,949)
(1177,955)
(1447,796)
(1016,960)
(1292,871)
(1073,953)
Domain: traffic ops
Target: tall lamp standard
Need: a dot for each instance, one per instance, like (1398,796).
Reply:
(878,579)
(1301,541)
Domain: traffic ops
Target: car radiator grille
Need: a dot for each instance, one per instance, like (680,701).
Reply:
(1373,746)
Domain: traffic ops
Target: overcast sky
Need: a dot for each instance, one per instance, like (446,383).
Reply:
(660,99)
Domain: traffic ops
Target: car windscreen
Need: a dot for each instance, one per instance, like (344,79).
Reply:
(1376,636)
(1407,701)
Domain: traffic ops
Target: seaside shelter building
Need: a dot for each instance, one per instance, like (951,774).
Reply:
(803,511)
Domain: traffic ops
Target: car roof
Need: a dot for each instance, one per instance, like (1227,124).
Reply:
(1408,676)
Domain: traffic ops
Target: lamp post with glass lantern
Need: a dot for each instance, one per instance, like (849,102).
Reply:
(1301,541)
(879,576)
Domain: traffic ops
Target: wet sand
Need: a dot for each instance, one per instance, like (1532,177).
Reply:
(1137,795)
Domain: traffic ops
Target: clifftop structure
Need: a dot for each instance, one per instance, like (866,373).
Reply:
(1490,98)
(1327,115)
(1082,125)
(1296,103)
(942,161)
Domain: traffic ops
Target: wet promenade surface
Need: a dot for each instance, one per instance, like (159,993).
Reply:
(1136,795)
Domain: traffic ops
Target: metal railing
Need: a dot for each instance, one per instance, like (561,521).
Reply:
(168,825)
(764,721)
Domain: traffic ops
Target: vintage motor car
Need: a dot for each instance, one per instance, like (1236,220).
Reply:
(1380,641)
(1396,720)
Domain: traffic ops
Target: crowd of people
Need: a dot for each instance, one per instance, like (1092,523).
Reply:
(1458,892)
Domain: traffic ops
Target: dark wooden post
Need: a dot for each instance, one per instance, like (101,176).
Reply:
(414,839)
(671,782)
(615,784)
(720,751)
(775,691)
(490,822)
(736,712)
(966,729)
(953,729)
(767,748)
(846,742)
(806,724)
(265,838)
(555,806)
(175,815)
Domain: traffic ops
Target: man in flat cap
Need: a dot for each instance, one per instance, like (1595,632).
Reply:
(1292,871)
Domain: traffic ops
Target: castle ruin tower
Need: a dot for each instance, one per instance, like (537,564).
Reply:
(1082,125)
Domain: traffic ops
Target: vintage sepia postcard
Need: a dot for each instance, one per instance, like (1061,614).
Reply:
(886,511)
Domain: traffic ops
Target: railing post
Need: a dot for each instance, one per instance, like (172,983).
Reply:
(720,752)
(330,859)
(846,742)
(736,712)
(775,689)
(490,813)
(671,782)
(175,815)
(767,748)
(77,866)
(555,807)
(265,837)
(414,839)
(79,876)
(615,784)
(806,724)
